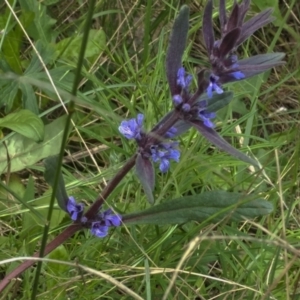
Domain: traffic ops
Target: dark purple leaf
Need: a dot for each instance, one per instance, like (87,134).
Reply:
(254,65)
(260,63)
(222,13)
(207,27)
(182,127)
(210,206)
(202,80)
(229,41)
(219,101)
(243,9)
(176,48)
(263,59)
(145,173)
(254,24)
(219,142)
(233,20)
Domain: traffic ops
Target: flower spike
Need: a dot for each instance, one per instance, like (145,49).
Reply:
(224,64)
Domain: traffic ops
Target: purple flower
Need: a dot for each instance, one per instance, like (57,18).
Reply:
(213,86)
(206,116)
(75,210)
(99,230)
(163,153)
(170,133)
(238,75)
(110,218)
(182,80)
(186,107)
(105,220)
(132,128)
(177,99)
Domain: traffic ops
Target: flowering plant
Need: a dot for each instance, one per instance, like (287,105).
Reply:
(196,109)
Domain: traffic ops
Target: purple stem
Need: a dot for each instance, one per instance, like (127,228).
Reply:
(69,231)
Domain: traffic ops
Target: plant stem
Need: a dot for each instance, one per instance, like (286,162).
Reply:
(94,208)
(68,232)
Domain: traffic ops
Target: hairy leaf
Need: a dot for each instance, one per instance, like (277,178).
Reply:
(259,63)
(254,24)
(222,13)
(217,101)
(176,48)
(234,18)
(146,175)
(216,205)
(229,41)
(207,27)
(219,142)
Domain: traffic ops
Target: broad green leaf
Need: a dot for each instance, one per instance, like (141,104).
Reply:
(46,52)
(7,201)
(215,205)
(10,42)
(70,47)
(56,270)
(33,225)
(41,27)
(25,123)
(50,172)
(28,97)
(11,51)
(8,95)
(24,152)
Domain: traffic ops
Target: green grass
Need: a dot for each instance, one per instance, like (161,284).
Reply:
(124,74)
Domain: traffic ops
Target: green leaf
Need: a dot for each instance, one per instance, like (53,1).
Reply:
(50,173)
(28,97)
(28,220)
(11,51)
(70,47)
(46,52)
(8,95)
(25,123)
(215,205)
(41,27)
(57,270)
(24,152)
(32,225)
